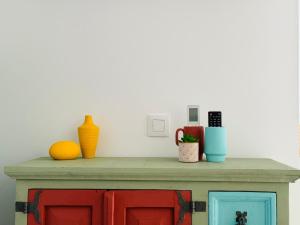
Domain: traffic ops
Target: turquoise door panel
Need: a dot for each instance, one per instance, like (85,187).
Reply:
(260,208)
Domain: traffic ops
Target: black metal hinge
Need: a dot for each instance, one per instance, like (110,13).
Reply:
(189,207)
(30,207)
(198,206)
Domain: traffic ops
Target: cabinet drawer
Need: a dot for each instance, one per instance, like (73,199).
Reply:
(231,208)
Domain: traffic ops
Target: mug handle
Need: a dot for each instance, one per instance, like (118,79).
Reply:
(176,135)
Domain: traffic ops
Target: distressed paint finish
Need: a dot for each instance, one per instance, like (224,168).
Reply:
(127,173)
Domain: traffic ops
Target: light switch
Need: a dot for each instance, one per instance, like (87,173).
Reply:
(158,125)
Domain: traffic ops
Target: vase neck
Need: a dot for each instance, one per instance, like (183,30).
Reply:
(88,119)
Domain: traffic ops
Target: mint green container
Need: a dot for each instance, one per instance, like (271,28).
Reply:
(215,144)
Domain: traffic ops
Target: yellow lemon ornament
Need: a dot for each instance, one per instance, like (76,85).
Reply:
(64,150)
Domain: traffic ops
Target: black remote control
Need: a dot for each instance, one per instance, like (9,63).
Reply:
(215,119)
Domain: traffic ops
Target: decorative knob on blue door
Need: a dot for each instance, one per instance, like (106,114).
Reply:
(241,218)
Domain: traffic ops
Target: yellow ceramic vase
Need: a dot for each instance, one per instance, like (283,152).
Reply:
(88,134)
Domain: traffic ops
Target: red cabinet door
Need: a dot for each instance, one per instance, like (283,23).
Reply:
(66,207)
(145,207)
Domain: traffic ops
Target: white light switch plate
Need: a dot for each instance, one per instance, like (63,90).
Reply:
(158,125)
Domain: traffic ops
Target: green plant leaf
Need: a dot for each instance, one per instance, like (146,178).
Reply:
(187,138)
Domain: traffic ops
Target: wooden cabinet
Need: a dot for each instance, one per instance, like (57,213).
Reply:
(151,191)
(146,207)
(242,208)
(109,207)
(66,207)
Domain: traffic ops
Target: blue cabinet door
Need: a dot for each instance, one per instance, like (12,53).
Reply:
(258,208)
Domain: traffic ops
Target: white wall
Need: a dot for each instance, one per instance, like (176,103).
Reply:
(122,59)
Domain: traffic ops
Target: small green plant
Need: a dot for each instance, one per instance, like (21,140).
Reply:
(187,138)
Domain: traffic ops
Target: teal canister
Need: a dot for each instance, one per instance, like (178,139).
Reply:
(215,144)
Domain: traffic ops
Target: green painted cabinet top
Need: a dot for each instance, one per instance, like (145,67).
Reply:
(163,169)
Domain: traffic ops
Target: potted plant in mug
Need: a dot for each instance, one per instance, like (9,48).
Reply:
(188,149)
